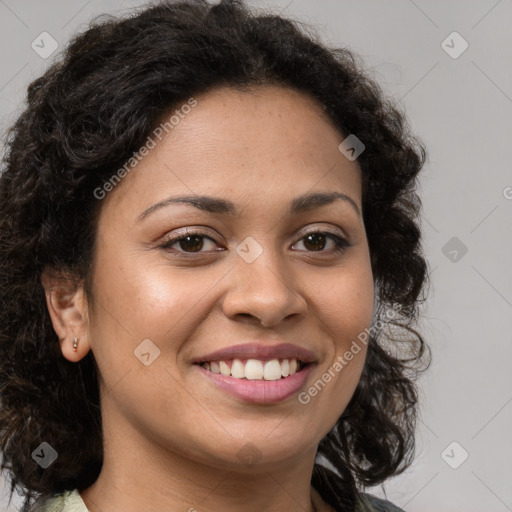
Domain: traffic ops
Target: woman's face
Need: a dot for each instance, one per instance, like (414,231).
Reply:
(251,279)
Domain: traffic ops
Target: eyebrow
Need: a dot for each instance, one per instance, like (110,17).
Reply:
(218,205)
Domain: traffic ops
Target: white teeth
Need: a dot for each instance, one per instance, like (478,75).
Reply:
(237,369)
(254,369)
(272,370)
(224,369)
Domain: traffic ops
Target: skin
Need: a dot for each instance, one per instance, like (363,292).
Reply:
(171,438)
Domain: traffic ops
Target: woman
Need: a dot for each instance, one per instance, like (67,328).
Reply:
(209,255)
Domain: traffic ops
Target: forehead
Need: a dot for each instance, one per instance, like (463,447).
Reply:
(264,146)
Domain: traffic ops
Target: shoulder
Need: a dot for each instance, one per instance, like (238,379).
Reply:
(67,501)
(369,503)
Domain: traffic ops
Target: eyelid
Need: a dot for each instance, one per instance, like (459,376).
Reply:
(196,230)
(203,230)
(328,229)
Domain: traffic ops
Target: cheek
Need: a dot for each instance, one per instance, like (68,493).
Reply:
(345,310)
(346,306)
(136,301)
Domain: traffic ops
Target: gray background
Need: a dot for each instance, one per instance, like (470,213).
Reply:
(461,108)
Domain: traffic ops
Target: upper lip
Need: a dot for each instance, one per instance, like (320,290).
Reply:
(259,351)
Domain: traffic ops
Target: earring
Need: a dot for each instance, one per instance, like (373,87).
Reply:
(75,344)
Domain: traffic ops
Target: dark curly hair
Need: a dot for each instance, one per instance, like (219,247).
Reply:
(84,118)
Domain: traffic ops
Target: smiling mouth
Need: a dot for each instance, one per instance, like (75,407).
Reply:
(255,369)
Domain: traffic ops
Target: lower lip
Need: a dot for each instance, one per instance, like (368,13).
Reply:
(260,391)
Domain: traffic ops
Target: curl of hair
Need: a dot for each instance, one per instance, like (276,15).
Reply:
(85,117)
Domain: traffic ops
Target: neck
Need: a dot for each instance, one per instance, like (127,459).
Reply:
(138,474)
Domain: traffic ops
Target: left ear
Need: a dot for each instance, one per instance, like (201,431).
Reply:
(67,305)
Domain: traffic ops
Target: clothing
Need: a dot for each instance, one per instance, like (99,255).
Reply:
(68,501)
(374,504)
(71,501)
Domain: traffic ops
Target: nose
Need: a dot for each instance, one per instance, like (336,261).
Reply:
(264,289)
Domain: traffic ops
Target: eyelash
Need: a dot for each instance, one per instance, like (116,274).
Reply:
(341,244)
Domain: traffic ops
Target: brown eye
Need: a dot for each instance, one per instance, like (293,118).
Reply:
(193,242)
(316,241)
(190,242)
